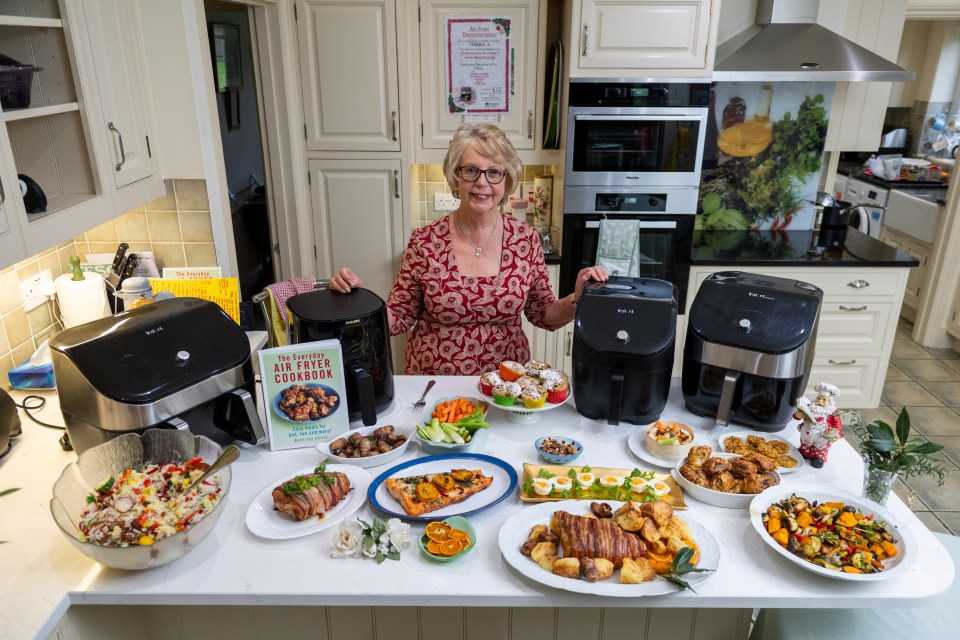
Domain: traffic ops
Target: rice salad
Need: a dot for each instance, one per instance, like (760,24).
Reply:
(141,507)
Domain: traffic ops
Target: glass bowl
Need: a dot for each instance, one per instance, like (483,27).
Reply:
(133,451)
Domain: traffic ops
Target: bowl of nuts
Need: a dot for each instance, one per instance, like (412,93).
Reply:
(558,450)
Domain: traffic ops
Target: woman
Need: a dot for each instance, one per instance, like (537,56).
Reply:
(466,278)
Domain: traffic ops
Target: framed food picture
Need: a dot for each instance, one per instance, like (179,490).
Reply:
(304,394)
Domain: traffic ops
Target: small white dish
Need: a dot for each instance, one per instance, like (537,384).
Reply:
(371,461)
(716,498)
(637,445)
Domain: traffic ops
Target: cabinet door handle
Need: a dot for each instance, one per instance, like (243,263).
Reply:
(530,124)
(858,284)
(569,344)
(123,155)
(3,196)
(843,308)
(393,118)
(832,361)
(583,51)
(396,184)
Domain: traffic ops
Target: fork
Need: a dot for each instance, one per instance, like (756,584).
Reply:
(422,402)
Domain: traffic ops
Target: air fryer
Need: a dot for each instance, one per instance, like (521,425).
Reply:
(359,321)
(749,348)
(623,344)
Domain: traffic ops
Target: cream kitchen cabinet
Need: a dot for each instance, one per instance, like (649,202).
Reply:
(618,38)
(356,218)
(517,114)
(548,346)
(858,323)
(348,67)
(61,139)
(918,275)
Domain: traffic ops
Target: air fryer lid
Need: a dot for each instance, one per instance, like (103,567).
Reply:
(754,312)
(629,316)
(325,306)
(154,351)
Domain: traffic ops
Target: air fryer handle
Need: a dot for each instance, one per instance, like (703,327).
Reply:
(368,403)
(616,397)
(726,397)
(248,427)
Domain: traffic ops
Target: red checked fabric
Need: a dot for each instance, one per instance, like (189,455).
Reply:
(467,325)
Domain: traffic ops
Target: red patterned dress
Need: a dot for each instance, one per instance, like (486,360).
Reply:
(465,325)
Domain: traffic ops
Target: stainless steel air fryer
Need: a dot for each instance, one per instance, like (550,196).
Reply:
(749,348)
(177,363)
(359,321)
(623,343)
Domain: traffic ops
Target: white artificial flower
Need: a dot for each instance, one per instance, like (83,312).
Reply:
(349,539)
(371,551)
(398,533)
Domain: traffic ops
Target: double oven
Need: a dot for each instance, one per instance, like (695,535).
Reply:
(634,152)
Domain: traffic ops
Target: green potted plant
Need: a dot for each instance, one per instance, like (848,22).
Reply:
(888,453)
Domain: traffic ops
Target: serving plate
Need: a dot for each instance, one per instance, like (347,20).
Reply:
(265,521)
(793,452)
(515,531)
(504,482)
(636,442)
(716,498)
(531,471)
(326,389)
(893,567)
(371,461)
(520,414)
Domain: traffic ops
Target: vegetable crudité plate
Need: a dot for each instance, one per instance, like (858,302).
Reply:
(504,482)
(532,472)
(265,521)
(893,566)
(516,530)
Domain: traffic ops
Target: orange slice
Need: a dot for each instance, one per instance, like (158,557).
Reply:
(438,531)
(450,547)
(433,547)
(457,534)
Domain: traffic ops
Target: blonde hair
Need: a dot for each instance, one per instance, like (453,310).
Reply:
(489,141)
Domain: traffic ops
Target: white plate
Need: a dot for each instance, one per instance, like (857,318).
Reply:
(265,521)
(504,483)
(516,530)
(792,451)
(636,442)
(916,162)
(810,492)
(716,498)
(372,461)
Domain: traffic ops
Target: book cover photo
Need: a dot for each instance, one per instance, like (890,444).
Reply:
(304,394)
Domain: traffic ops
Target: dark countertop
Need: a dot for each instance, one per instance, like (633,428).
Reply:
(856,170)
(789,249)
(553,258)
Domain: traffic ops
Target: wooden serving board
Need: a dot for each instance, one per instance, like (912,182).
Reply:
(531,471)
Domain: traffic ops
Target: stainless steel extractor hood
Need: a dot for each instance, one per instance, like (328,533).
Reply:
(787,45)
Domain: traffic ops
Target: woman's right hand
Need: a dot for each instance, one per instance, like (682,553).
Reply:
(345,281)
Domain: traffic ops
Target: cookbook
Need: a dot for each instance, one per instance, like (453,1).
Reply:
(304,394)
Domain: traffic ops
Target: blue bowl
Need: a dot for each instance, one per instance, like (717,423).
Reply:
(557,458)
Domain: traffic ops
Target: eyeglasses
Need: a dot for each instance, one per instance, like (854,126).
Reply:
(472,174)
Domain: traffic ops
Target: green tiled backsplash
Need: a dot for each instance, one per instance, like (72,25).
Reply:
(429,181)
(175,227)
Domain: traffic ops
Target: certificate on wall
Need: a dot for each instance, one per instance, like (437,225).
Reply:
(479,65)
(304,394)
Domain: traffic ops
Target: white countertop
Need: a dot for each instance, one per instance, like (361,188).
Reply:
(43,574)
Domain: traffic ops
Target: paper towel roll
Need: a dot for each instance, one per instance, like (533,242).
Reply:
(82,300)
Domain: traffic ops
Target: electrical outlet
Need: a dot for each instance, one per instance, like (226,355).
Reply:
(445,202)
(31,290)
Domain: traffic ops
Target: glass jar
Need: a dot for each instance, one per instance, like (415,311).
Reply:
(877,483)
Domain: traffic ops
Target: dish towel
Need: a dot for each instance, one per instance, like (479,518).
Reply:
(618,248)
(280,292)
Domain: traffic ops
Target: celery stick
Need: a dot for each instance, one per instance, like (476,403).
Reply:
(451,431)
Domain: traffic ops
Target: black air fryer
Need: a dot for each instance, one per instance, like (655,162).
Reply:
(359,321)
(623,344)
(749,348)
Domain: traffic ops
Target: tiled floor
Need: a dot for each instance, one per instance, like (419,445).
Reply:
(927,382)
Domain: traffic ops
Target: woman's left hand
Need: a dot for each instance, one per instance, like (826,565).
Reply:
(585,276)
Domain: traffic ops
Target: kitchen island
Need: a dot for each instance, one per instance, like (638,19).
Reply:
(300,591)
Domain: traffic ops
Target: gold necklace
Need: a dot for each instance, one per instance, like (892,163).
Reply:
(478,249)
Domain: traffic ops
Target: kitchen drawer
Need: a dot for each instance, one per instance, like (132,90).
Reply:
(859,378)
(860,326)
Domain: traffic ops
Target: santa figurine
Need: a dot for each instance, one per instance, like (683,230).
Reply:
(820,424)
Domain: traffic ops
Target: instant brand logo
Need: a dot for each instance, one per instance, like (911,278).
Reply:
(628,311)
(762,296)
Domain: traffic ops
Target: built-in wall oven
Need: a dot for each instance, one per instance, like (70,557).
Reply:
(634,152)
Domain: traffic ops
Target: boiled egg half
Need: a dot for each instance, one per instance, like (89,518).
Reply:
(585,479)
(611,481)
(542,486)
(562,483)
(659,487)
